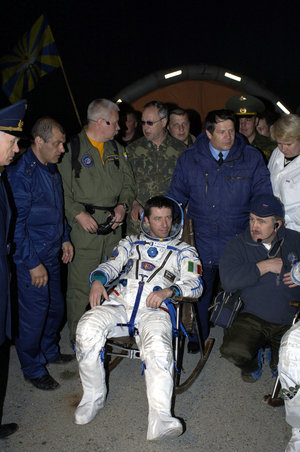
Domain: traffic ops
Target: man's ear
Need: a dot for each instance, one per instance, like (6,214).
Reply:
(209,135)
(146,221)
(164,121)
(38,141)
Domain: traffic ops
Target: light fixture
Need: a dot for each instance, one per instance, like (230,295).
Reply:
(119,101)
(173,74)
(283,108)
(237,78)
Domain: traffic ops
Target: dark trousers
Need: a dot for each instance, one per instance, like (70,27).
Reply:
(246,336)
(209,277)
(4,362)
(41,312)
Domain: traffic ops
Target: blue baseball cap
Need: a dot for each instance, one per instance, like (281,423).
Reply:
(266,206)
(11,118)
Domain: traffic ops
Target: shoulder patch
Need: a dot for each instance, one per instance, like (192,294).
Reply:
(87,160)
(194,268)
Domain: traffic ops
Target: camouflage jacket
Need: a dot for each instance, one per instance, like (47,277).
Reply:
(153,166)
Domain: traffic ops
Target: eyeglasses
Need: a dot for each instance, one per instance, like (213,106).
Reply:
(150,123)
(96,120)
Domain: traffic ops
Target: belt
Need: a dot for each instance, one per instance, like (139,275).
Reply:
(90,208)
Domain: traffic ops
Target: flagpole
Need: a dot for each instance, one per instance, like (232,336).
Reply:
(70,92)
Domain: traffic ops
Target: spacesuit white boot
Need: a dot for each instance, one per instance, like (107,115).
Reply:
(91,335)
(156,350)
(159,382)
(289,374)
(294,442)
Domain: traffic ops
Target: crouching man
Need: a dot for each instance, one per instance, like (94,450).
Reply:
(156,266)
(258,262)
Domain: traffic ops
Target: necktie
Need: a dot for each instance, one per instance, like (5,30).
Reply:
(220,161)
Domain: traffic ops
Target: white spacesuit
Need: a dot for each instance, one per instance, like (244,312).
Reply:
(148,265)
(289,374)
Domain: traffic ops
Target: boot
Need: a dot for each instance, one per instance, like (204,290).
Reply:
(294,443)
(159,382)
(92,375)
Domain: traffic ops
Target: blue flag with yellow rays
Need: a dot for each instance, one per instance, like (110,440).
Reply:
(34,56)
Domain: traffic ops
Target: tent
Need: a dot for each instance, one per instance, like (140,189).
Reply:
(197,87)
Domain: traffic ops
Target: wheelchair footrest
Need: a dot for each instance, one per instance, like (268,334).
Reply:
(124,351)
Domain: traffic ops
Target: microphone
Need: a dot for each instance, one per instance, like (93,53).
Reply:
(259,240)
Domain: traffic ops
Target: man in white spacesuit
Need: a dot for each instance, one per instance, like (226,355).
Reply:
(289,374)
(156,266)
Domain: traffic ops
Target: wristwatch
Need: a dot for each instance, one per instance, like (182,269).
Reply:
(126,208)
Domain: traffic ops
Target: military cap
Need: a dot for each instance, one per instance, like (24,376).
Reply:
(11,118)
(245,105)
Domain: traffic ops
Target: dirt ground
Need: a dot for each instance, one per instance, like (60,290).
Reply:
(221,412)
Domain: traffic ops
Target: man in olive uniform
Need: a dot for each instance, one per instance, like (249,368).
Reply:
(99,188)
(246,108)
(179,126)
(153,158)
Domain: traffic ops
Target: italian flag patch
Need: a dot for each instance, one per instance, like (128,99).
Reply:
(194,268)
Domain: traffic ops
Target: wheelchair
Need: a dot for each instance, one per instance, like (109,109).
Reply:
(187,368)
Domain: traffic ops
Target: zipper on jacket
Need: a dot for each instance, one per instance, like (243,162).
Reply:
(206,182)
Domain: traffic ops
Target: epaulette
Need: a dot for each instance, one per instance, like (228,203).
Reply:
(31,168)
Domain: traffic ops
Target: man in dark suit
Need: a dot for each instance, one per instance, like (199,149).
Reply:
(10,129)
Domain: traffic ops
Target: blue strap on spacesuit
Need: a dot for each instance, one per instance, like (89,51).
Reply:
(130,324)
(172,312)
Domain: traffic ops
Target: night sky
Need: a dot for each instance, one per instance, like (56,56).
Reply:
(106,45)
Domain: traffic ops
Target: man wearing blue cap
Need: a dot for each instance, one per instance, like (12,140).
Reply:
(10,129)
(258,263)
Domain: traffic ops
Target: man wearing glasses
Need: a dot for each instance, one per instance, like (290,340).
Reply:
(99,188)
(258,263)
(153,158)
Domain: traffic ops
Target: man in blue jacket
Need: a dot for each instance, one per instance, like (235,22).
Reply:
(258,262)
(40,233)
(217,177)
(10,130)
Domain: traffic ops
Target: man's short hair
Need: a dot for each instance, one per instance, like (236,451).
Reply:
(178,112)
(216,116)
(286,128)
(161,108)
(158,201)
(100,107)
(269,116)
(43,128)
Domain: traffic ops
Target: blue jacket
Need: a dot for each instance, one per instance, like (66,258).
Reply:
(264,296)
(40,225)
(218,197)
(5,321)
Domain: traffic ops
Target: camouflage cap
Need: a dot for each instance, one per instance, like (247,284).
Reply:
(245,105)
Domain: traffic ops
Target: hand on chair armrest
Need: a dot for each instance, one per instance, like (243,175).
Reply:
(96,293)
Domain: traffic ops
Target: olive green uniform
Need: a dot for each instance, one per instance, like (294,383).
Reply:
(100,185)
(264,144)
(153,168)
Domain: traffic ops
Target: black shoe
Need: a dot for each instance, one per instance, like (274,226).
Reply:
(8,429)
(63,359)
(45,382)
(193,347)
